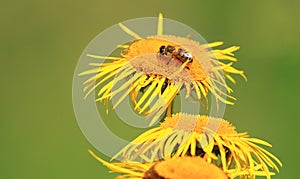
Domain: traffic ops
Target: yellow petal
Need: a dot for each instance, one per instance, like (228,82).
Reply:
(129,32)
(160,24)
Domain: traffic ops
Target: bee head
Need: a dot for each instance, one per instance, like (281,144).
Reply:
(162,49)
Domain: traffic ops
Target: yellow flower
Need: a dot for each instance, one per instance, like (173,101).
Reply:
(175,168)
(162,76)
(194,135)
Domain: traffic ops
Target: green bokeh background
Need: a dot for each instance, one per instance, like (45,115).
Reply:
(41,42)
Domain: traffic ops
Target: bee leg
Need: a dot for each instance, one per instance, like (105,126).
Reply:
(158,56)
(169,60)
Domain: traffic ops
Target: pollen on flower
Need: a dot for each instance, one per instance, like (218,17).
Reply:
(196,123)
(143,56)
(183,168)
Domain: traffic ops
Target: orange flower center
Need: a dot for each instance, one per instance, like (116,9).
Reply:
(186,168)
(197,123)
(144,56)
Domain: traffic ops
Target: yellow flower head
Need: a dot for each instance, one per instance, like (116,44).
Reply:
(175,168)
(193,135)
(160,65)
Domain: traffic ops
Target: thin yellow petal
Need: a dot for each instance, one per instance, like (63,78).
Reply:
(123,46)
(160,24)
(193,144)
(196,87)
(124,85)
(258,141)
(100,82)
(155,93)
(128,91)
(105,89)
(222,152)
(115,168)
(103,57)
(230,49)
(202,89)
(213,44)
(230,78)
(129,32)
(220,56)
(94,70)
(146,94)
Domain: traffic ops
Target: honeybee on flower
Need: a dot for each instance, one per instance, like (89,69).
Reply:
(160,66)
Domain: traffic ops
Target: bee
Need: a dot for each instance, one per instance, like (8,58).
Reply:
(180,54)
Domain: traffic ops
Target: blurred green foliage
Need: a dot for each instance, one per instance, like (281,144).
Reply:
(41,42)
